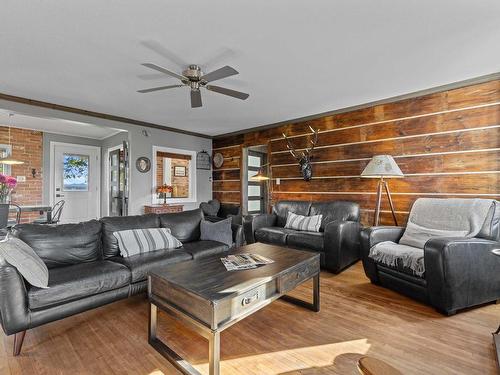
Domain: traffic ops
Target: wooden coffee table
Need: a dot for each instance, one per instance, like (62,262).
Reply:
(209,299)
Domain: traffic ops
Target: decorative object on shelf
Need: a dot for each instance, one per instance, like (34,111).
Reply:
(165,192)
(382,166)
(180,171)
(304,159)
(143,164)
(8,159)
(203,160)
(218,160)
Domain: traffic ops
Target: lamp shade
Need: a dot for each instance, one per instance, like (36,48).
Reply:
(382,166)
(261,175)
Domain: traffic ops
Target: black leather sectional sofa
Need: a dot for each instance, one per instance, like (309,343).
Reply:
(338,238)
(86,269)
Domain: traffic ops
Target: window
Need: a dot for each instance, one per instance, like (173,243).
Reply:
(75,172)
(256,189)
(5,151)
(174,177)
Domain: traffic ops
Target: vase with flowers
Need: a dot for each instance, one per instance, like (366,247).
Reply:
(7,184)
(165,192)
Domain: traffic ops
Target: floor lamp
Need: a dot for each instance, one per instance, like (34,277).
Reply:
(382,166)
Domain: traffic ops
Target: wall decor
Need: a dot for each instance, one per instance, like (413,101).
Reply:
(304,158)
(218,160)
(143,164)
(180,171)
(203,160)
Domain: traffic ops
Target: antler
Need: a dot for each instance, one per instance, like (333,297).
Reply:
(314,141)
(290,147)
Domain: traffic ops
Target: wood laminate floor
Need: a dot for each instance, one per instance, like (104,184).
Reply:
(356,319)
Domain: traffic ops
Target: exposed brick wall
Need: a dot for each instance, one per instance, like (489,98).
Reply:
(27,145)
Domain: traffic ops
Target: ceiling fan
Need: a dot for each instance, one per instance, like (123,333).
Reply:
(195,79)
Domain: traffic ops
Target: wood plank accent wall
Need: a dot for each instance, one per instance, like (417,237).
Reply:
(447,144)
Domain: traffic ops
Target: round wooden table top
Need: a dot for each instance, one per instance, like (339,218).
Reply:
(374,366)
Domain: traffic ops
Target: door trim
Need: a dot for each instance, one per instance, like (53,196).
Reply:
(53,145)
(106,173)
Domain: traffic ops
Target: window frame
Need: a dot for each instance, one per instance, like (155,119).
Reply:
(192,175)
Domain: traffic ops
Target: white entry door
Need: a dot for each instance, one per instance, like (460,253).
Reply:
(76,180)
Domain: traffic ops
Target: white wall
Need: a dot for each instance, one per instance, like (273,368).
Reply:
(140,183)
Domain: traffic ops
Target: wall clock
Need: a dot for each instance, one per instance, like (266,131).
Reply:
(218,160)
(143,164)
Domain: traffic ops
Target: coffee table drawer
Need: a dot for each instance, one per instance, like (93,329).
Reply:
(296,276)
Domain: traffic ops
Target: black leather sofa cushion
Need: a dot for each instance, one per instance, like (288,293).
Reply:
(117,223)
(64,244)
(335,211)
(185,226)
(306,240)
(78,281)
(204,248)
(140,264)
(273,235)
(282,208)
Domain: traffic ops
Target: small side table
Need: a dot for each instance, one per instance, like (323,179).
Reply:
(163,208)
(496,335)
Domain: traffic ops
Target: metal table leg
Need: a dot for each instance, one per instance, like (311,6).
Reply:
(315,305)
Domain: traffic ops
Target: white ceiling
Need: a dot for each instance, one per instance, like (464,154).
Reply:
(57,126)
(295,57)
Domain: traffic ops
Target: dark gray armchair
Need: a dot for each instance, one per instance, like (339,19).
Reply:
(459,272)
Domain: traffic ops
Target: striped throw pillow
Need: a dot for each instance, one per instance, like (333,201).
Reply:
(305,223)
(138,241)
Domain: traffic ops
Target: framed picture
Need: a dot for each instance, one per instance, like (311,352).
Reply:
(180,171)
(143,164)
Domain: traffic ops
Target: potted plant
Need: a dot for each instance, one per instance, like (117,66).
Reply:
(165,191)
(7,184)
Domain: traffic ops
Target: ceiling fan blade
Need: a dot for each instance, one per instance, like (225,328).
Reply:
(195,99)
(223,90)
(158,88)
(225,71)
(163,70)
(155,46)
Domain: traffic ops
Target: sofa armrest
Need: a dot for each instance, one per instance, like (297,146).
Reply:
(238,237)
(341,244)
(371,236)
(14,311)
(252,223)
(461,272)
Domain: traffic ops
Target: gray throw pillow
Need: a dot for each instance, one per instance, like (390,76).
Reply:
(138,241)
(20,255)
(211,207)
(219,231)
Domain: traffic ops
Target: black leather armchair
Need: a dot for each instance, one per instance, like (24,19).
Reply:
(459,272)
(337,241)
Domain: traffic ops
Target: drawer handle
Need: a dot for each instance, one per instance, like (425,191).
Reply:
(248,300)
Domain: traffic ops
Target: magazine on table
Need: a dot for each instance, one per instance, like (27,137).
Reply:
(244,261)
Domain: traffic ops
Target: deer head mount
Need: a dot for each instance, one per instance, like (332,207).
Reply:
(304,158)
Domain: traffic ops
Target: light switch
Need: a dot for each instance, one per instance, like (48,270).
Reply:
(278,181)
(21,178)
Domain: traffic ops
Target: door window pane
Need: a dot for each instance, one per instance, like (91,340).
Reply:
(254,190)
(251,173)
(254,205)
(253,161)
(75,172)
